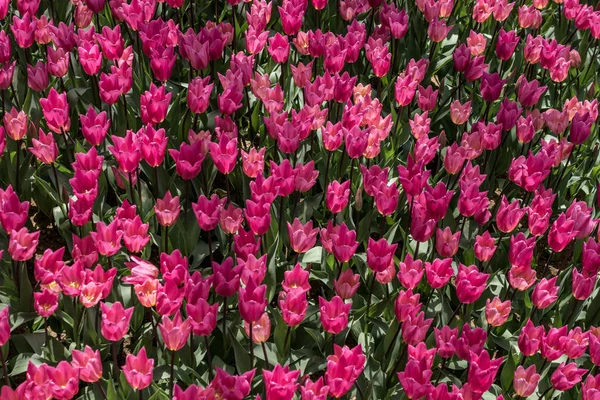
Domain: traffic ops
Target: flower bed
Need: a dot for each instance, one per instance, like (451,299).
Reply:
(327,199)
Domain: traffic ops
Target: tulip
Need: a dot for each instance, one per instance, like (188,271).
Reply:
(415,379)
(88,363)
(545,293)
(22,244)
(174,332)
(347,284)
(497,311)
(446,340)
(439,272)
(525,381)
(566,376)
(553,343)
(482,371)
(45,303)
(4,326)
(63,380)
(470,283)
(380,254)
(167,210)
(293,305)
(138,370)
(261,329)
(280,383)
(410,272)
(334,314)
(115,321)
(344,367)
(415,327)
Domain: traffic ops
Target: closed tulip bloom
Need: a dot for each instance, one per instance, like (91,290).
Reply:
(188,160)
(208,211)
(261,329)
(529,92)
(439,272)
(15,123)
(316,390)
(470,283)
(446,340)
(154,104)
(347,284)
(579,212)
(279,48)
(497,311)
(380,254)
(224,154)
(202,317)
(415,327)
(416,379)
(253,162)
(509,215)
(147,292)
(337,196)
(167,210)
(459,113)
(410,272)
(446,243)
(115,321)
(238,387)
(334,314)
(45,303)
(566,376)
(506,44)
(23,30)
(545,293)
(552,343)
(175,332)
(198,97)
(22,244)
(491,86)
(530,338)
(302,237)
(44,148)
(258,216)
(485,247)
(280,383)
(37,76)
(56,111)
(138,370)
(135,234)
(4,326)
(482,371)
(253,268)
(89,364)
(245,243)
(561,233)
(293,305)
(252,301)
(576,343)
(583,283)
(406,304)
(525,381)
(227,277)
(520,253)
(94,126)
(107,238)
(521,277)
(153,146)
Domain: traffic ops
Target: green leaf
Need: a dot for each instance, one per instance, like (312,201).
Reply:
(242,356)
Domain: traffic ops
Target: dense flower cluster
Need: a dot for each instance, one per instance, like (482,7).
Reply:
(334,199)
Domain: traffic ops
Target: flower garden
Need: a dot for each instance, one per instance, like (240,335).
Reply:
(299,199)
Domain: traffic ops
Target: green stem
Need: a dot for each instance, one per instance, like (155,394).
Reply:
(172,384)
